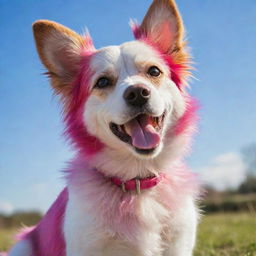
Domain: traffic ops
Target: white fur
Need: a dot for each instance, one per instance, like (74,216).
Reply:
(86,235)
(125,63)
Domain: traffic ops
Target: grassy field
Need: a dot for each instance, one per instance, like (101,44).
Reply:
(6,238)
(227,235)
(218,235)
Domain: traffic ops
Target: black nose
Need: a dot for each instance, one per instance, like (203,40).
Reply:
(136,95)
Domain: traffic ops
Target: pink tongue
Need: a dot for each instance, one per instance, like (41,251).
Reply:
(144,135)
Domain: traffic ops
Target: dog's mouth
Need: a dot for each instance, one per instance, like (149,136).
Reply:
(142,132)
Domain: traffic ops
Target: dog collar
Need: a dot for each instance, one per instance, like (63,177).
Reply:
(137,184)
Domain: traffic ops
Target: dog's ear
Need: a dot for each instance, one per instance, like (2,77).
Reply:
(163,26)
(59,49)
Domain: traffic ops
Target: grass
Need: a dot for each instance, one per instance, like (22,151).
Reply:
(218,235)
(6,238)
(227,235)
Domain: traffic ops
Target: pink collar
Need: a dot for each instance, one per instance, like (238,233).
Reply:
(137,184)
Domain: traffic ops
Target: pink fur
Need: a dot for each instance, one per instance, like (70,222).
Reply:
(76,131)
(115,209)
(119,210)
(47,237)
(23,233)
(189,118)
(112,207)
(176,69)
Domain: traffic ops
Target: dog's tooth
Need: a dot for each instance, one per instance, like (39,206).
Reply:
(127,129)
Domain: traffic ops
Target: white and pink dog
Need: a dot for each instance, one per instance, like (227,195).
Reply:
(130,120)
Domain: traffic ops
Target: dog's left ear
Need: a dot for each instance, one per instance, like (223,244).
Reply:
(163,26)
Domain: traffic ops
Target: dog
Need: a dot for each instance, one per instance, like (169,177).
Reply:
(130,118)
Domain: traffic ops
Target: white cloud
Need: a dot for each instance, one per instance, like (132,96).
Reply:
(6,207)
(226,171)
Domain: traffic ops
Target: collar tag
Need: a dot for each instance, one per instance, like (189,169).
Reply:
(137,186)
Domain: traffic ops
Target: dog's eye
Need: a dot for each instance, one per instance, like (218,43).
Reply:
(154,71)
(103,82)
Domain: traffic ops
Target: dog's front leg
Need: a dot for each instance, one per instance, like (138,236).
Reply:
(183,231)
(80,228)
(85,236)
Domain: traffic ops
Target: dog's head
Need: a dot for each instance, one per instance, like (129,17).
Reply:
(129,98)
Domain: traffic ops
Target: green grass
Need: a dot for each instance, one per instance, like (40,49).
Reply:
(218,235)
(6,238)
(227,235)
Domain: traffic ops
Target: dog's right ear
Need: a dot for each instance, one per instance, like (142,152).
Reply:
(59,49)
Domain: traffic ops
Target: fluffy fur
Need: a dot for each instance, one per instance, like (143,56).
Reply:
(93,216)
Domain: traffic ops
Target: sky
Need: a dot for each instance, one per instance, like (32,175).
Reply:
(222,37)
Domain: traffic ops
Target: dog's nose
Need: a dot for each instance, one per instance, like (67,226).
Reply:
(137,95)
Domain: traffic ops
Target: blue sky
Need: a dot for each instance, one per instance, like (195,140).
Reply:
(222,35)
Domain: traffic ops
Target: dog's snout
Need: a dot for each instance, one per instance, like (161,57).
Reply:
(137,95)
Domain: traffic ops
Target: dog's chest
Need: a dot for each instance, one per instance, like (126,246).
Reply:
(136,223)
